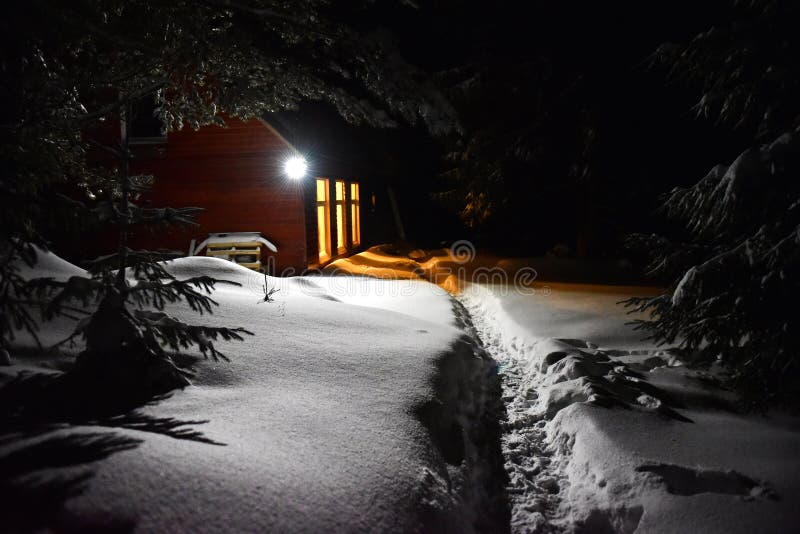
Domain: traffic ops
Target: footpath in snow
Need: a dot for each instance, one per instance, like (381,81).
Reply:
(372,403)
(605,432)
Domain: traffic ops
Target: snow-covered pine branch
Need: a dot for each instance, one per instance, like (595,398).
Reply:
(735,284)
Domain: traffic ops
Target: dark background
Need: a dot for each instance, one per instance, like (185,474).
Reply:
(585,62)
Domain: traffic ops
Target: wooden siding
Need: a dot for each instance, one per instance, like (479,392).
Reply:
(235,173)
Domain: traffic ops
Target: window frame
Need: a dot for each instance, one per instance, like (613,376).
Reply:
(355,214)
(340,201)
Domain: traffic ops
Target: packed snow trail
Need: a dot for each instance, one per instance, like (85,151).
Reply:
(544,378)
(533,479)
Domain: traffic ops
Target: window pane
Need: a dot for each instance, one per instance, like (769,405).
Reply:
(354,229)
(322,232)
(339,190)
(322,189)
(340,228)
(354,191)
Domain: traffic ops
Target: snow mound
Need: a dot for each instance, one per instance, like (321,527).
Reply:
(183,268)
(591,375)
(377,263)
(255,284)
(48,265)
(605,433)
(354,407)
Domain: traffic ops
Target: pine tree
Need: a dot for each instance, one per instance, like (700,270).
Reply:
(128,337)
(735,269)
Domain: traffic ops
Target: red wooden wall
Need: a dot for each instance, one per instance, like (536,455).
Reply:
(235,173)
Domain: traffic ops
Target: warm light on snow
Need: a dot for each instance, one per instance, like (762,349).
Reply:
(295,167)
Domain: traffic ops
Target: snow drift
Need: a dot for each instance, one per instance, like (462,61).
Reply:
(353,408)
(606,433)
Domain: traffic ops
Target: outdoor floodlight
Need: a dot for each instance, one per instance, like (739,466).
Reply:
(295,167)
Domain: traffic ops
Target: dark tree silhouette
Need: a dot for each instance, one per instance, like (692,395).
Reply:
(735,268)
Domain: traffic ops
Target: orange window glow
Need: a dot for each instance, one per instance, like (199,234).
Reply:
(323,220)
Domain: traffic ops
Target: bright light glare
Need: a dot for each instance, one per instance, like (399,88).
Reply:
(295,167)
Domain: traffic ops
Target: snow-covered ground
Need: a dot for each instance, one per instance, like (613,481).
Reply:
(335,416)
(605,432)
(366,403)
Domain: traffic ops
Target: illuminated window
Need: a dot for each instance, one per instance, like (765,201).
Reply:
(341,241)
(323,220)
(355,215)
